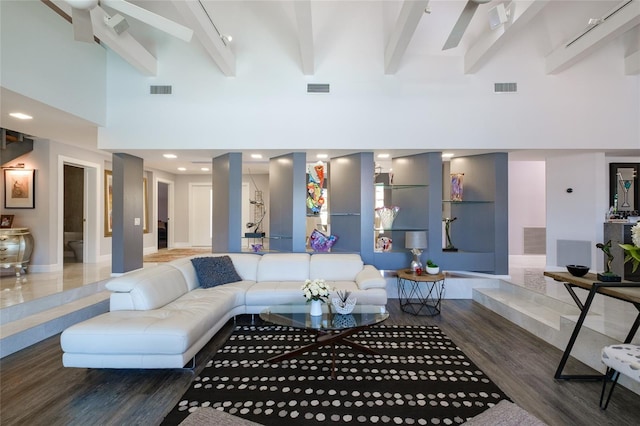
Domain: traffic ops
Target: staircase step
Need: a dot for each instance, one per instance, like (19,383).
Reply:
(23,310)
(503,301)
(30,329)
(554,320)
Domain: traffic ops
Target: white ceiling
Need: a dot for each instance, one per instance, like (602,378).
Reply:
(564,19)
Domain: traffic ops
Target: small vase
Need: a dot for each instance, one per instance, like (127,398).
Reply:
(387,215)
(316,308)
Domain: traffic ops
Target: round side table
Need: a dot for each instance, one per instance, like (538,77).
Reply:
(420,294)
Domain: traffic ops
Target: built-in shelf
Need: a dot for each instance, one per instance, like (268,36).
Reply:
(394,187)
(398,229)
(467,202)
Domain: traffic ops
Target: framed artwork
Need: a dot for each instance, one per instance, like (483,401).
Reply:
(623,182)
(145,207)
(6,221)
(19,189)
(457,186)
(108,204)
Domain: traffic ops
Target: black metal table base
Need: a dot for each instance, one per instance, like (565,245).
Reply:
(420,297)
(584,308)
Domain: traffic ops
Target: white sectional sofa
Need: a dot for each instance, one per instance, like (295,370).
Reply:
(160,317)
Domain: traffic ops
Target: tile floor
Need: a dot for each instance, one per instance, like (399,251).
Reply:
(31,286)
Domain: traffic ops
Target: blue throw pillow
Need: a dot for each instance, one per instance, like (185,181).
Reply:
(213,271)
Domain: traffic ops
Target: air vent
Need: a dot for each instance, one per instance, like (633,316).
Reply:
(160,90)
(317,88)
(505,87)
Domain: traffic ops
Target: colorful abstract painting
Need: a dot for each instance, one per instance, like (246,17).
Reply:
(456,186)
(315,199)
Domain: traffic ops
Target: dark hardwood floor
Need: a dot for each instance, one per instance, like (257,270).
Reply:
(37,390)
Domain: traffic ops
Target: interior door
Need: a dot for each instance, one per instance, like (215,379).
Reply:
(200,203)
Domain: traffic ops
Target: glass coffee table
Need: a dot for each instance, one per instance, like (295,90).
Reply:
(329,329)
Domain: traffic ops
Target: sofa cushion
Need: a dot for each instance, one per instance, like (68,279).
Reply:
(370,278)
(269,293)
(284,267)
(335,267)
(214,271)
(246,265)
(149,288)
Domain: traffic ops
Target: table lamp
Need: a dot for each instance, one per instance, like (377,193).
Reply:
(415,241)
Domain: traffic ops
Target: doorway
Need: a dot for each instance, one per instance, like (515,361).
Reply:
(200,214)
(73,211)
(163,215)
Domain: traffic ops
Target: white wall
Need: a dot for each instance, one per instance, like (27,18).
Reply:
(527,200)
(181,222)
(578,215)
(428,103)
(43,220)
(41,60)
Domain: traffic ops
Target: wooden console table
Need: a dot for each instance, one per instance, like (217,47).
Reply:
(626,290)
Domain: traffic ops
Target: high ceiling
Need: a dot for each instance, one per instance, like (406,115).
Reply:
(408,29)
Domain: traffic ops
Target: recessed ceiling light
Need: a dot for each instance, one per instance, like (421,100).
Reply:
(20,116)
(256,156)
(447,154)
(321,156)
(169,156)
(383,155)
(182,169)
(204,169)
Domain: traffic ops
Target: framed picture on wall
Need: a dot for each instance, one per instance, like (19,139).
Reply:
(623,182)
(145,207)
(19,189)
(108,203)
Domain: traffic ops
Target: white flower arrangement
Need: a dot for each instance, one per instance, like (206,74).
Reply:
(316,290)
(632,251)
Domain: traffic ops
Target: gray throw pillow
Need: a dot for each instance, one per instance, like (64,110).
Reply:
(213,271)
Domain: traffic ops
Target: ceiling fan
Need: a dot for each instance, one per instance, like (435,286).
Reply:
(463,22)
(83,27)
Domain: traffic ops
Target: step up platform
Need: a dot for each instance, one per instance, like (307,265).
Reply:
(27,323)
(553,320)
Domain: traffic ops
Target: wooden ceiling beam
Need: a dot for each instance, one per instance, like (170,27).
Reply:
(198,18)
(616,24)
(302,10)
(408,20)
(123,44)
(487,46)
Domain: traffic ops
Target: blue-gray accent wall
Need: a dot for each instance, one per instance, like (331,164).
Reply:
(226,226)
(287,208)
(127,196)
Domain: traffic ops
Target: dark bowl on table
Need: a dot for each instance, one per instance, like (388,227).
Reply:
(577,270)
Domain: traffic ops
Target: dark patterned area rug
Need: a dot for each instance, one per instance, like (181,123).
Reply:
(420,378)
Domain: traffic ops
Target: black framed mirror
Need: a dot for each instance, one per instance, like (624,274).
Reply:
(623,181)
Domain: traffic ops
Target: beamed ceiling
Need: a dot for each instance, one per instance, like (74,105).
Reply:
(409,29)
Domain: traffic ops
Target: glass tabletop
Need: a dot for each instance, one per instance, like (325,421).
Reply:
(298,316)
